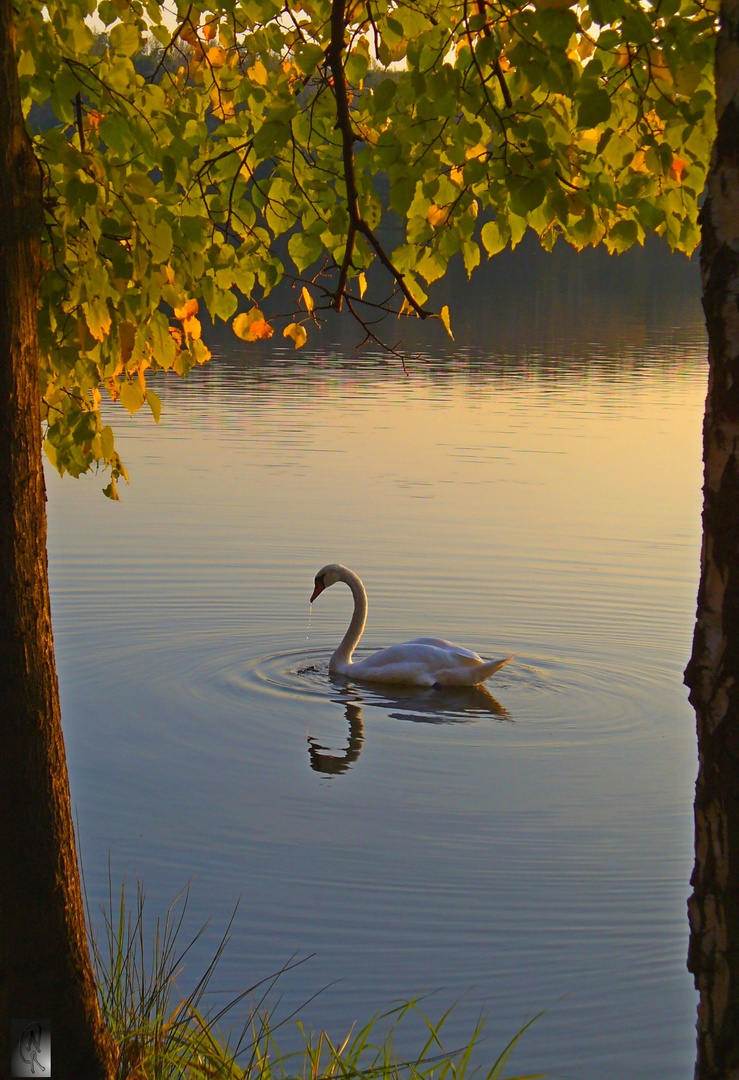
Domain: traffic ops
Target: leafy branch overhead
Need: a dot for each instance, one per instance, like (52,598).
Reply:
(193,156)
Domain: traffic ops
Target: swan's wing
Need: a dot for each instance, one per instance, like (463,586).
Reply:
(453,652)
(422,657)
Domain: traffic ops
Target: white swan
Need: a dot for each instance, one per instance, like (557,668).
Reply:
(421,662)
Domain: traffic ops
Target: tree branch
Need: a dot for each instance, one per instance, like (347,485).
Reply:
(487,32)
(335,59)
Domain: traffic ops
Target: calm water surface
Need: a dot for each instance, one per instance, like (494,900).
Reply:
(534,489)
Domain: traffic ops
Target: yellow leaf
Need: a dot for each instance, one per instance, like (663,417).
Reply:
(362,282)
(444,316)
(307,300)
(111,491)
(216,56)
(456,175)
(98,319)
(258,73)
(478,151)
(655,123)
(623,55)
(155,404)
(192,327)
(297,333)
(224,106)
(132,396)
(659,68)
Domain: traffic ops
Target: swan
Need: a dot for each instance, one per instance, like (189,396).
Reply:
(421,662)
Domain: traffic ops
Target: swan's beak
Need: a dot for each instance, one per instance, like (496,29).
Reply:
(317,591)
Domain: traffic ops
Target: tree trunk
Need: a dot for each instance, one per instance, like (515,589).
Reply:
(45,969)
(713,671)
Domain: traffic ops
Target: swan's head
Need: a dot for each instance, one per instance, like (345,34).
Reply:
(329,575)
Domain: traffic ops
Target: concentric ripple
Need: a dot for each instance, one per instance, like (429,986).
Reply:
(547,700)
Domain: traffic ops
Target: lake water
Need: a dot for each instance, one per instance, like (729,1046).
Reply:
(532,488)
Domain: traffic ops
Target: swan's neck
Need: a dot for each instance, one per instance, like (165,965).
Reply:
(342,658)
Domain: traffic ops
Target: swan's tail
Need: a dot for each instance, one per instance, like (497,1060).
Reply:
(471,676)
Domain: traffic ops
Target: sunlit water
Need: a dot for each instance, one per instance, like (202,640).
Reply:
(534,489)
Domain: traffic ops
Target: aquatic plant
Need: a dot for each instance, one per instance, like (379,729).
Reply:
(162,1034)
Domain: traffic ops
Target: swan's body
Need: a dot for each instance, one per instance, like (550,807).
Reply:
(422,662)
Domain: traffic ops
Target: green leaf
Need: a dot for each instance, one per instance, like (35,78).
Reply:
(593,109)
(106,442)
(383,95)
(492,237)
(230,165)
(526,194)
(161,240)
(470,256)
(155,404)
(304,249)
(124,39)
(622,236)
(162,342)
(556,25)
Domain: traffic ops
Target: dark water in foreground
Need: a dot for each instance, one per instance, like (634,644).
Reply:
(532,489)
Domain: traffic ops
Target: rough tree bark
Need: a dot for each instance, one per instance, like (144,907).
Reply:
(713,671)
(45,969)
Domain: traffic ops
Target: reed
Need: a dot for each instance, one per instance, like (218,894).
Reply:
(162,1035)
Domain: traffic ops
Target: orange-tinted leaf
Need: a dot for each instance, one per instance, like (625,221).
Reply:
(437,215)
(252,326)
(188,309)
(126,338)
(677,168)
(93,120)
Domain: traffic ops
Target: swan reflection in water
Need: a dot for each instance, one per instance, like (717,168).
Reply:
(325,761)
(451,705)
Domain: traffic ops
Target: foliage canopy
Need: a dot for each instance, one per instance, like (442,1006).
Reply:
(199,153)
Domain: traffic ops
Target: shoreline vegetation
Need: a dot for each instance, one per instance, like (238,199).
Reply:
(162,1035)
